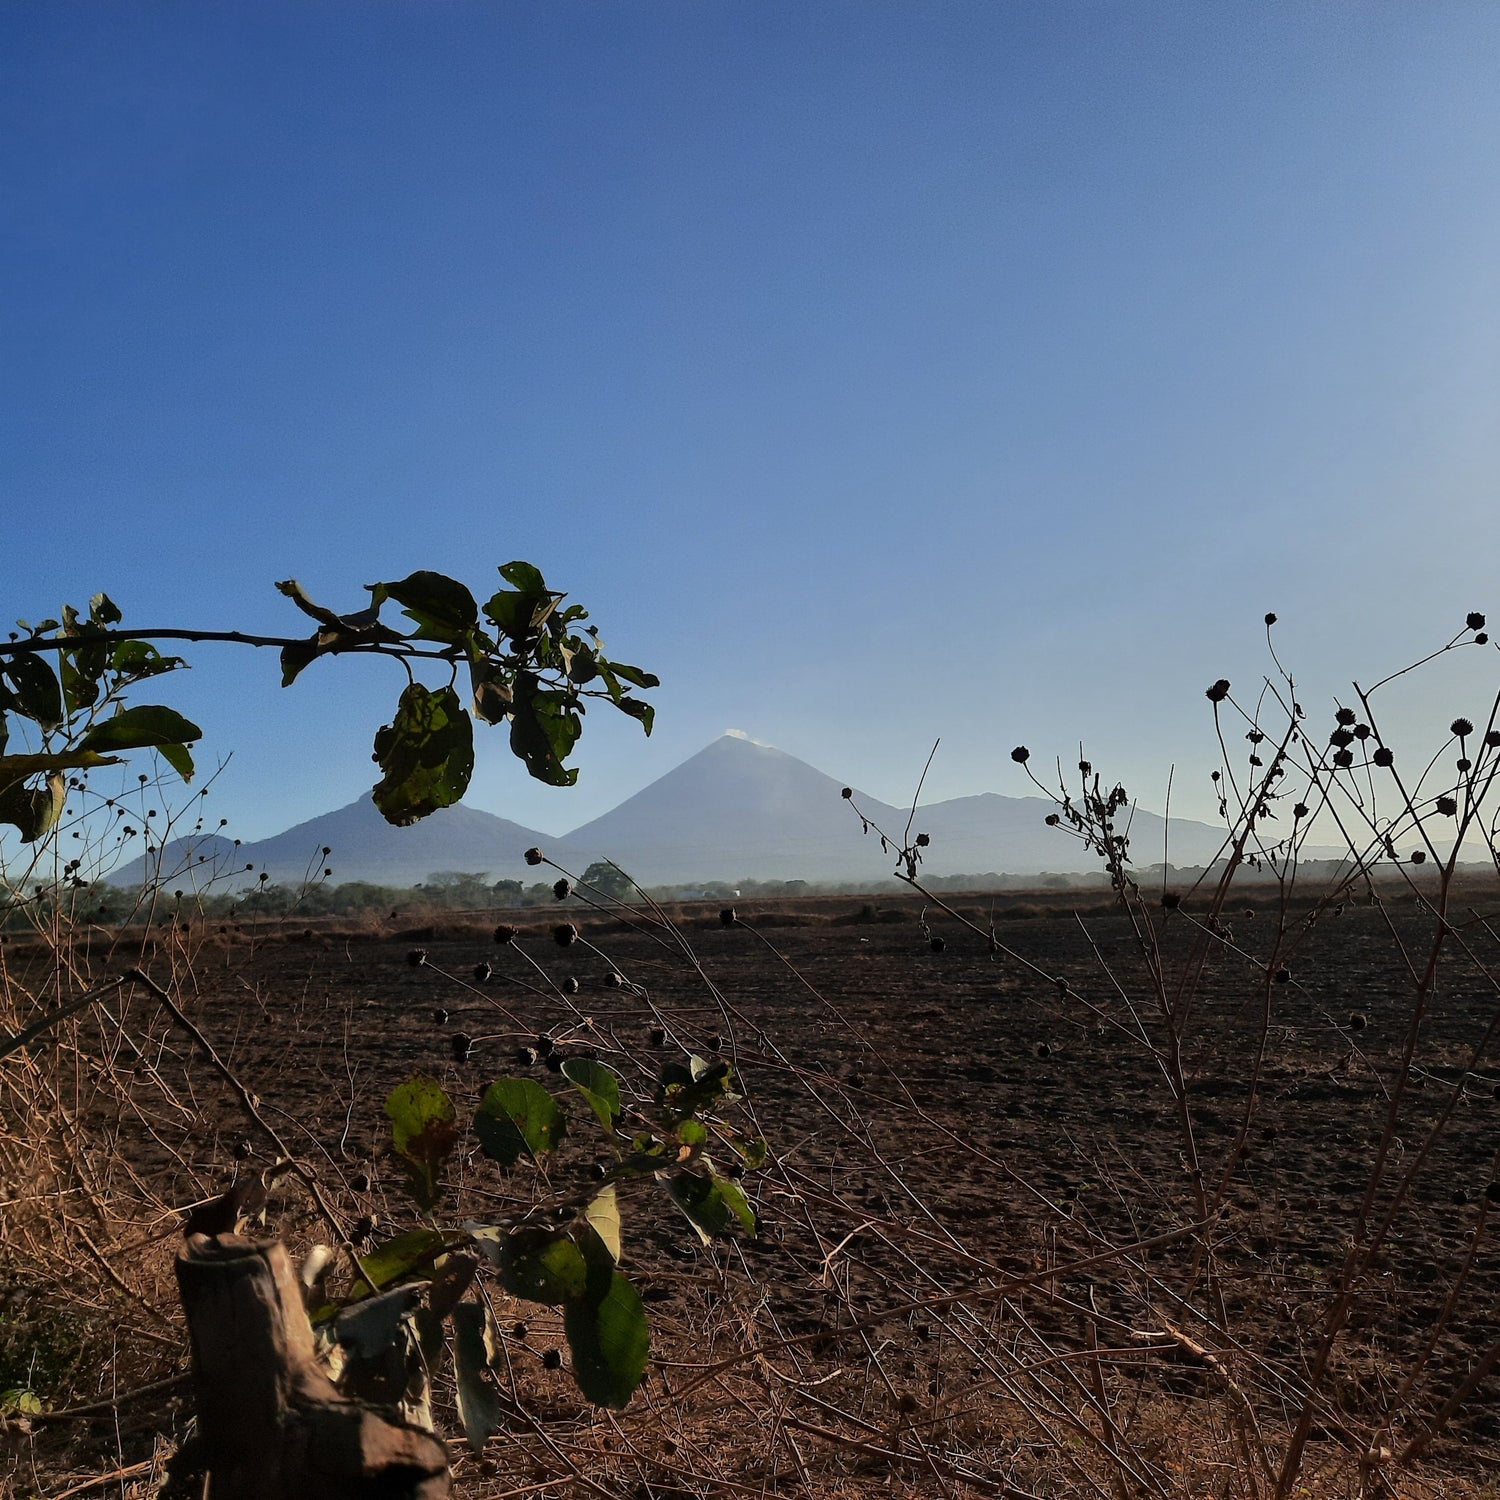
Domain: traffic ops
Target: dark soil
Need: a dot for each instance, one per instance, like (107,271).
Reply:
(941,1121)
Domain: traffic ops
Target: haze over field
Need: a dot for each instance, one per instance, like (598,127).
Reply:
(874,373)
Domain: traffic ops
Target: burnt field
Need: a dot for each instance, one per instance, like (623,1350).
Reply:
(996,1251)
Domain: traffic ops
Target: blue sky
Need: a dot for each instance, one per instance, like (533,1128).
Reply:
(874,372)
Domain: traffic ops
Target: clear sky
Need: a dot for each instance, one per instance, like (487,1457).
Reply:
(874,372)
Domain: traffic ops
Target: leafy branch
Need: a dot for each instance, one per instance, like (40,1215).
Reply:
(525,657)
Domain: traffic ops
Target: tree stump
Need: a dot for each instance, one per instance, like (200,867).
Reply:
(271,1425)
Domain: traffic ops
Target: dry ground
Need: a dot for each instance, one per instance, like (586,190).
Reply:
(940,1123)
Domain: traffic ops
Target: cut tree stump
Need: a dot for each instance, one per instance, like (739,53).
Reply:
(271,1425)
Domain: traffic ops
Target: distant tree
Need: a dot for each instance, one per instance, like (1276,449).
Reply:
(457,888)
(609,880)
(507,892)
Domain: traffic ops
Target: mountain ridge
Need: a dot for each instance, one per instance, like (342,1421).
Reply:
(736,810)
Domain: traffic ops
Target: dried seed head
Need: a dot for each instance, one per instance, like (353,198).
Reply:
(1053,820)
(923,840)
(847,793)
(657,1037)
(1383,756)
(417,957)
(1475,620)
(937,945)
(1361,731)
(565,935)
(552,1360)
(1171,900)
(1492,739)
(482,972)
(570,986)
(561,889)
(462,1045)
(1463,763)
(1446,806)
(440,1017)
(505,934)
(1300,810)
(534,856)
(1043,1050)
(1343,759)
(1418,857)
(1020,755)
(1218,692)
(728,917)
(1461,727)
(1346,716)
(1358,1021)
(613,980)
(1270,619)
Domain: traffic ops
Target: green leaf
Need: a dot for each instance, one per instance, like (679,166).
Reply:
(81,666)
(712,1204)
(15,768)
(103,611)
(137,660)
(146,725)
(409,1252)
(492,693)
(583,668)
(451,1278)
(643,713)
(610,1341)
(544,728)
(33,810)
(442,608)
(518,1115)
(603,1215)
(599,1085)
(752,1152)
(38,694)
(542,1265)
(297,656)
(473,1352)
(427,755)
(524,576)
(634,675)
(687,1087)
(424,1132)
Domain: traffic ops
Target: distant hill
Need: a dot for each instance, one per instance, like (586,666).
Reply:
(741,810)
(736,810)
(361,845)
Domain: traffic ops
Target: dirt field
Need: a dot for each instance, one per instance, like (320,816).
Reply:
(939,1122)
